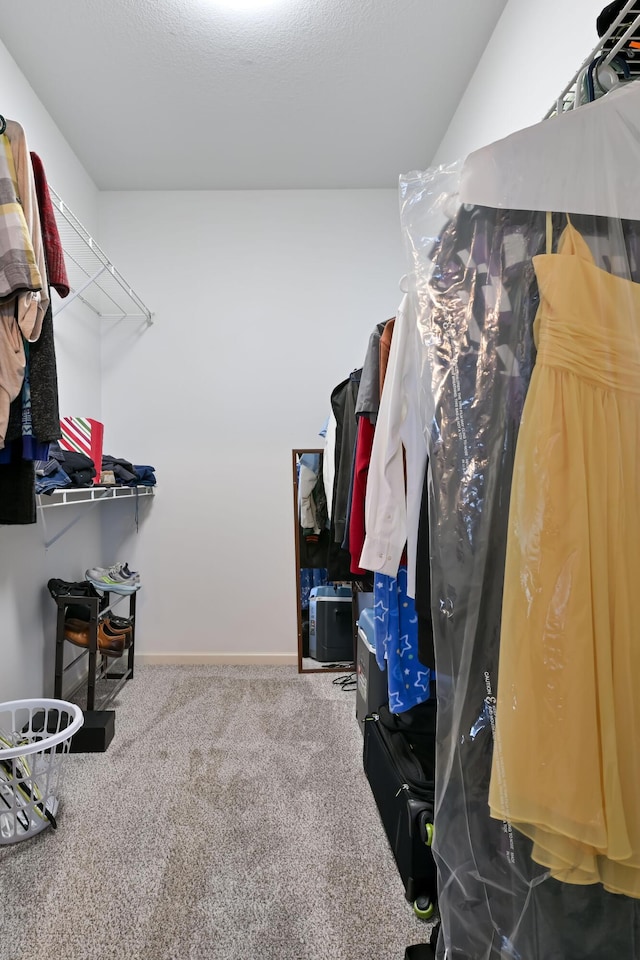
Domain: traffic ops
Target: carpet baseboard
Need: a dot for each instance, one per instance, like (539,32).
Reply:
(223,659)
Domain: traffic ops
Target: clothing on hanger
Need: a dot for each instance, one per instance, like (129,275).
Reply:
(478,299)
(392,506)
(566,767)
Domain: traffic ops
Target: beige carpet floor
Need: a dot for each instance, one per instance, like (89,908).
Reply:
(229,819)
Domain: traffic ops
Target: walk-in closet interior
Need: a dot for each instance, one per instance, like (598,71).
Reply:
(319,413)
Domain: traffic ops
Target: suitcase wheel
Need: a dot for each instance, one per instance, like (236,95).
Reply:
(429,833)
(426,829)
(424,908)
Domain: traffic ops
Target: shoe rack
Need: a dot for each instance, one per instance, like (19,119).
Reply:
(115,672)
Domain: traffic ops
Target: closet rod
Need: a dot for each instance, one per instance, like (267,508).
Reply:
(557,107)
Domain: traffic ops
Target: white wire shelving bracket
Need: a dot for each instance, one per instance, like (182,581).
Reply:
(92,276)
(70,496)
(566,99)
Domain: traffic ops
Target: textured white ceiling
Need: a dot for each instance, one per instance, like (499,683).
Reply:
(188,94)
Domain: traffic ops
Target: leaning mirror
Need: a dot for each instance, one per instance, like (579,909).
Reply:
(326,624)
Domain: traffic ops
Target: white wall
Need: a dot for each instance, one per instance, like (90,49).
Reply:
(27,614)
(533,53)
(264,302)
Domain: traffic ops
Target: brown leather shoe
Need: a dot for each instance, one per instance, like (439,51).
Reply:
(77,631)
(111,631)
(110,644)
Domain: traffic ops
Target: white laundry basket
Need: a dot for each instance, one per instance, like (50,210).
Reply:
(35,736)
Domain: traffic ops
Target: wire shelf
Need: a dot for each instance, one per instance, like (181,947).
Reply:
(67,496)
(92,276)
(624,28)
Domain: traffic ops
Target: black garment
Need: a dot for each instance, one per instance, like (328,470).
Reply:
(17,492)
(123,470)
(314,554)
(79,468)
(17,485)
(71,588)
(343,400)
(43,379)
(426,651)
(609,14)
(344,409)
(320,501)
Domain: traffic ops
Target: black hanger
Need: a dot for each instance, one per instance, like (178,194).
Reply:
(3,124)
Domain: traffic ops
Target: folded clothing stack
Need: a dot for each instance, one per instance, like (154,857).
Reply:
(122,472)
(68,468)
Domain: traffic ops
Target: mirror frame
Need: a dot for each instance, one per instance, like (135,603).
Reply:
(296,527)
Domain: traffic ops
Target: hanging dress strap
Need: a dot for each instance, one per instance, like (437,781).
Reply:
(549,232)
(572,243)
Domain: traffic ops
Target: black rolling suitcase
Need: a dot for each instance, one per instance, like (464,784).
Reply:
(399,762)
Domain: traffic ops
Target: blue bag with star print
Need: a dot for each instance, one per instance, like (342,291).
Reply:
(396,634)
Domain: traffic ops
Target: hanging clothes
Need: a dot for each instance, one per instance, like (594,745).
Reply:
(566,768)
(367,406)
(32,419)
(368,401)
(343,403)
(385,347)
(313,518)
(41,402)
(479,297)
(392,507)
(21,273)
(32,303)
(424,611)
(396,624)
(362,458)
(54,254)
(12,364)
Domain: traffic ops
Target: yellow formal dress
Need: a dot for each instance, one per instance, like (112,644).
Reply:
(566,764)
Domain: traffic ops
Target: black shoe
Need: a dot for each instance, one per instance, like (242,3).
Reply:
(120,624)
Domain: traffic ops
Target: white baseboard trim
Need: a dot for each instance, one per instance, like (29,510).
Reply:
(219,659)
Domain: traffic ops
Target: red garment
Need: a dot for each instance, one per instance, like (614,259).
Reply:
(53,251)
(364,444)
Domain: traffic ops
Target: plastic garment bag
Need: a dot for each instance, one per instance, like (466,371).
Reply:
(585,161)
(479,276)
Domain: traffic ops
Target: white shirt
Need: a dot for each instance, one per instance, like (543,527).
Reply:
(329,461)
(392,508)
